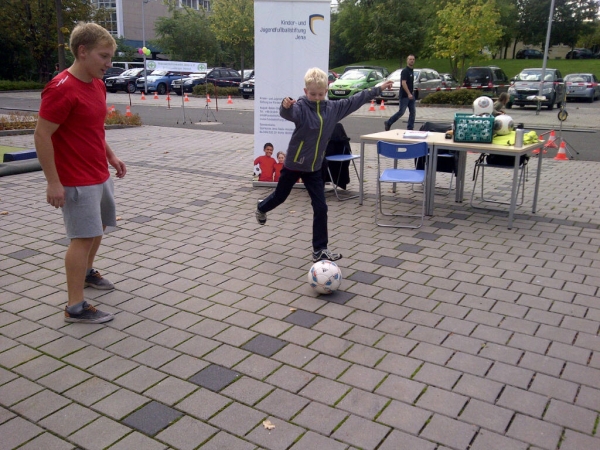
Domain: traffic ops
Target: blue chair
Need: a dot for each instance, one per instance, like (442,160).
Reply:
(339,156)
(394,175)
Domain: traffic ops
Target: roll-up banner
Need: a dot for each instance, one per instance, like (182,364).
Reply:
(290,37)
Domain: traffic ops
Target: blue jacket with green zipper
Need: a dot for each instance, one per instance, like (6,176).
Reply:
(315,122)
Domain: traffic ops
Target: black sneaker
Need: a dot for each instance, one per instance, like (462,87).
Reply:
(326,255)
(261,217)
(386,125)
(89,314)
(95,280)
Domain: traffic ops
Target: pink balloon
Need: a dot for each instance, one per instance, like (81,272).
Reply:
(140,51)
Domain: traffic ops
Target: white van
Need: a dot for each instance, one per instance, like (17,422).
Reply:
(128,64)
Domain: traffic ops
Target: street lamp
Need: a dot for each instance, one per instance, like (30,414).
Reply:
(144,45)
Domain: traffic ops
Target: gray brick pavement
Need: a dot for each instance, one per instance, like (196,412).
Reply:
(460,335)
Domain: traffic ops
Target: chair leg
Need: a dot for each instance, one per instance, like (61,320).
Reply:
(520,186)
(342,197)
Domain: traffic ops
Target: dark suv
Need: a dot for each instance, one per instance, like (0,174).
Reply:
(490,79)
(527,86)
(529,53)
(223,77)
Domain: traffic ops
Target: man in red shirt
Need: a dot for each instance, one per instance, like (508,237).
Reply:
(71,147)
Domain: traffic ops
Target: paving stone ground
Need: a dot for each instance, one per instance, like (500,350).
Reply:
(459,335)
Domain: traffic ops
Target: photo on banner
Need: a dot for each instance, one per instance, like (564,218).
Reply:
(290,37)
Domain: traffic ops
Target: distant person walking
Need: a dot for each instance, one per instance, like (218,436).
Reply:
(406,97)
(72,149)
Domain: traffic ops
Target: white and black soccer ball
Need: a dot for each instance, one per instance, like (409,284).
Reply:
(257,171)
(325,277)
(483,105)
(503,125)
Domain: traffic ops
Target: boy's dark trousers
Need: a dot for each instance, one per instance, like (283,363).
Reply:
(313,181)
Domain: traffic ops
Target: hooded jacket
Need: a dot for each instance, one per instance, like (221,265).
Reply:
(315,122)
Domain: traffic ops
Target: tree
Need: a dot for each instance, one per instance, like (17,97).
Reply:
(232,21)
(464,29)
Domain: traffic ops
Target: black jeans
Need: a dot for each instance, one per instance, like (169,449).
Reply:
(313,181)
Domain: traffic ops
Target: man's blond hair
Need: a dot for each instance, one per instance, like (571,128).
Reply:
(316,76)
(90,35)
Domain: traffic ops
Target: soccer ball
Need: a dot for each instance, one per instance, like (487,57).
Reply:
(483,105)
(503,125)
(257,171)
(325,277)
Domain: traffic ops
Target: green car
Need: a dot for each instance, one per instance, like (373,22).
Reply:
(354,81)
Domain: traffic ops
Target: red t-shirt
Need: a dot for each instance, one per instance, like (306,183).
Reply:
(79,142)
(267,167)
(278,167)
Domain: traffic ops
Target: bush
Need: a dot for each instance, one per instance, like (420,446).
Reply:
(6,85)
(117,118)
(457,97)
(201,89)
(23,121)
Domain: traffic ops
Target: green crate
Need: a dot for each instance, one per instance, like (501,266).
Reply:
(470,128)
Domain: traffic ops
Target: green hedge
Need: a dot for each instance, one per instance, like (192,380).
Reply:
(201,89)
(457,97)
(6,85)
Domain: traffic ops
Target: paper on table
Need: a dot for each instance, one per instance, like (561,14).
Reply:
(411,134)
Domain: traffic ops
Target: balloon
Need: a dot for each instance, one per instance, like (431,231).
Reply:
(147,52)
(140,50)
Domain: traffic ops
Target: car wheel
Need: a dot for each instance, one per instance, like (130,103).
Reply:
(416,94)
(178,93)
(131,88)
(112,91)
(246,97)
(552,101)
(161,89)
(509,105)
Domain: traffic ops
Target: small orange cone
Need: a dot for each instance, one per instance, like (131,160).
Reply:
(229,101)
(208,98)
(382,105)
(168,97)
(128,111)
(186,98)
(111,109)
(143,97)
(551,142)
(562,152)
(156,96)
(372,107)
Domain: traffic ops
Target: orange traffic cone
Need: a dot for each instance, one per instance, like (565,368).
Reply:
(128,111)
(208,98)
(186,98)
(551,142)
(111,109)
(143,97)
(382,105)
(229,101)
(168,97)
(562,152)
(156,96)
(372,107)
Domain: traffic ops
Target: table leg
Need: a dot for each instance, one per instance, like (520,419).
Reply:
(460,177)
(362,173)
(514,193)
(537,182)
(430,184)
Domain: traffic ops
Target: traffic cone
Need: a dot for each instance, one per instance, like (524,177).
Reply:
(186,98)
(128,111)
(551,142)
(155,95)
(229,101)
(208,98)
(562,152)
(372,107)
(143,97)
(168,97)
(111,109)
(382,106)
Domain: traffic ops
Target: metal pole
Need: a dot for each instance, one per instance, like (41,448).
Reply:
(547,47)
(144,45)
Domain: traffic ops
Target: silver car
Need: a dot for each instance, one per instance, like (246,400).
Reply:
(582,85)
(426,81)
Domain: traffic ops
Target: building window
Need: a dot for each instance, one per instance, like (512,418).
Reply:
(111,20)
(192,4)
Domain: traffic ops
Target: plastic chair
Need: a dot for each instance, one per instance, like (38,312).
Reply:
(447,160)
(393,175)
(339,156)
(500,162)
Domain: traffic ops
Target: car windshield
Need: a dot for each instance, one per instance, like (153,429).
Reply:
(355,74)
(131,72)
(159,73)
(578,78)
(416,74)
(533,75)
(395,76)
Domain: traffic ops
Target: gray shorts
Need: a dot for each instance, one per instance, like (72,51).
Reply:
(88,209)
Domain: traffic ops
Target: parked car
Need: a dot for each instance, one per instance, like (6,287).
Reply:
(247,88)
(527,83)
(529,53)
(582,85)
(223,77)
(391,95)
(426,81)
(186,85)
(125,81)
(332,76)
(381,69)
(112,72)
(490,79)
(159,81)
(448,81)
(248,73)
(354,81)
(580,53)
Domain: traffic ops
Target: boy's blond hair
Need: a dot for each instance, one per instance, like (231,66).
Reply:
(90,35)
(316,76)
